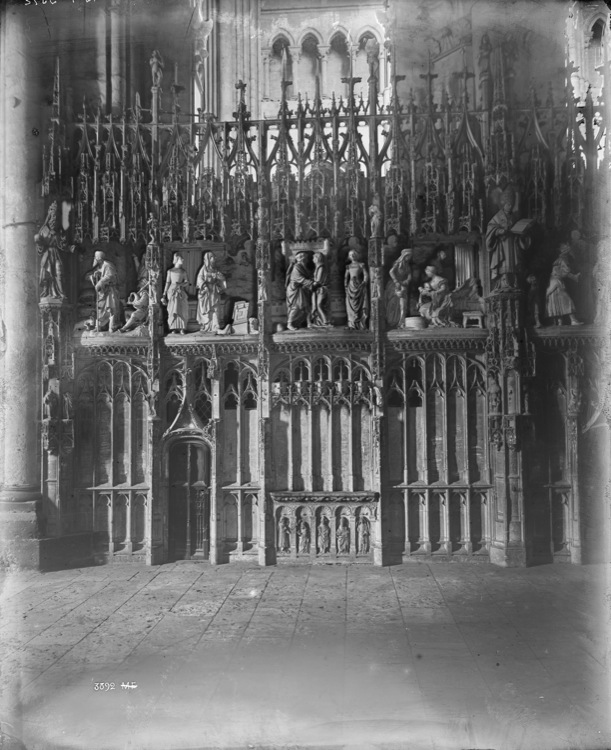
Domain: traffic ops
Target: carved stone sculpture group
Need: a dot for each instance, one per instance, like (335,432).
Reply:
(425,285)
(323,543)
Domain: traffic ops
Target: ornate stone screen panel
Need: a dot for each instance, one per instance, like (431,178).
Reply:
(112,455)
(438,484)
(240,462)
(322,424)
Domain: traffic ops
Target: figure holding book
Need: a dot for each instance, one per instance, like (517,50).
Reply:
(506,238)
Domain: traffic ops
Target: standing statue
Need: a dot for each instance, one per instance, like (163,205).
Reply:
(105,281)
(400,289)
(363,532)
(505,240)
(356,284)
(320,315)
(324,536)
(50,404)
(558,301)
(435,302)
(211,285)
(495,395)
(303,532)
(343,538)
(299,284)
(284,535)
(156,63)
(49,241)
(175,296)
(372,50)
(375,217)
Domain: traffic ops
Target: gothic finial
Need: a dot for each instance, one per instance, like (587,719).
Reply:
(429,77)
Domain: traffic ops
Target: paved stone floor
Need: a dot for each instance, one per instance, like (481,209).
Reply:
(418,656)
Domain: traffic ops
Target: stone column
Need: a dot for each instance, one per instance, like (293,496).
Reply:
(507,366)
(381,541)
(21,215)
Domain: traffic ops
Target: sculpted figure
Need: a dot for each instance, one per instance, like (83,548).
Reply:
(375,216)
(299,284)
(363,532)
(320,292)
(400,289)
(175,296)
(558,301)
(284,535)
(494,395)
(356,284)
(324,536)
(211,285)
(139,300)
(139,317)
(51,404)
(505,241)
(49,242)
(303,532)
(156,63)
(105,281)
(343,538)
(435,303)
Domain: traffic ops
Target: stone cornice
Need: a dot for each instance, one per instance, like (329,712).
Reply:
(440,339)
(324,497)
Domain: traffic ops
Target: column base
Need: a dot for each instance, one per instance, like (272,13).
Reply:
(508,555)
(267,556)
(381,556)
(19,495)
(22,544)
(19,528)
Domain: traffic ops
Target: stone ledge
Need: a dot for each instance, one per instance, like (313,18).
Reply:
(324,497)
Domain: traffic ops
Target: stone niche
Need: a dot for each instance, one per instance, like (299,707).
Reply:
(235,260)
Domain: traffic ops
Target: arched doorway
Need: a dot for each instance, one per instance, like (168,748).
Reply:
(188,501)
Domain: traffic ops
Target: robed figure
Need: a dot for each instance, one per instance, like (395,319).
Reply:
(558,301)
(49,243)
(106,283)
(175,295)
(299,285)
(320,314)
(400,289)
(211,285)
(505,241)
(435,302)
(356,284)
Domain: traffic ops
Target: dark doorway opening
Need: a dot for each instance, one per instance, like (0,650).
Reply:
(189,502)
